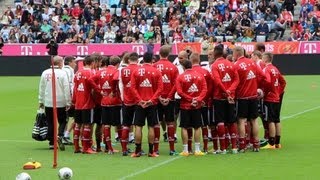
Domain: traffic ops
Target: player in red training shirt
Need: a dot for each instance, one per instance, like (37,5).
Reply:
(226,81)
(147,86)
(166,106)
(111,101)
(273,99)
(247,97)
(192,88)
(195,60)
(129,103)
(84,103)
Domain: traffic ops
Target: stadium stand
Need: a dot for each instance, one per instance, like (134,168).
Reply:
(157,21)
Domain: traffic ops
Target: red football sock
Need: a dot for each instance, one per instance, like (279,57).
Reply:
(248,133)
(221,134)
(76,137)
(242,143)
(107,137)
(233,133)
(189,130)
(86,134)
(171,136)
(124,138)
(205,138)
(214,135)
(119,131)
(156,137)
(256,143)
(227,137)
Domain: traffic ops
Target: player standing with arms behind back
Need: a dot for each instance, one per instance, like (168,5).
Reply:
(147,86)
(166,106)
(273,99)
(192,88)
(84,103)
(226,81)
(250,77)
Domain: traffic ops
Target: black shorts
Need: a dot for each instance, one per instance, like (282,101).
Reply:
(111,115)
(97,115)
(247,108)
(261,109)
(205,116)
(177,106)
(272,111)
(71,112)
(128,113)
(190,118)
(211,117)
(224,112)
(83,116)
(166,111)
(280,102)
(149,113)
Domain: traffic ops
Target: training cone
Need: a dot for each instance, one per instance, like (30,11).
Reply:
(31,165)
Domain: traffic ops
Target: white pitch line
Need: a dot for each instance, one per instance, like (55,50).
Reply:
(17,141)
(173,159)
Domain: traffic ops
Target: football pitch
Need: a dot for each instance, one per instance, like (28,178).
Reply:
(298,159)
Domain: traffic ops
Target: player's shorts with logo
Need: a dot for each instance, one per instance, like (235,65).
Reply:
(149,113)
(128,113)
(247,108)
(224,112)
(190,118)
(83,116)
(111,115)
(272,111)
(166,111)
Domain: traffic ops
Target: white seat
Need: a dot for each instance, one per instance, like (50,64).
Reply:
(229,38)
(261,38)
(219,38)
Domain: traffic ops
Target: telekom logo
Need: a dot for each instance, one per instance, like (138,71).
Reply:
(26,50)
(82,50)
(138,49)
(310,48)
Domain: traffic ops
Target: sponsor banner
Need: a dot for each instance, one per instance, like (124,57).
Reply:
(309,47)
(273,47)
(77,49)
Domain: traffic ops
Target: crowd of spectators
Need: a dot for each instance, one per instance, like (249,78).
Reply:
(156,21)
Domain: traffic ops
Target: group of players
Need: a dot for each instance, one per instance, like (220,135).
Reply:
(223,98)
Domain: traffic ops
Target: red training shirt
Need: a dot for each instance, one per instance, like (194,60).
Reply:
(197,68)
(126,73)
(276,84)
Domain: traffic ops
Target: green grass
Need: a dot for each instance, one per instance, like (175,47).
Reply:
(299,159)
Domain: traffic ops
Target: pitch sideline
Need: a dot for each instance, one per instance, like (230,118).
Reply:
(173,159)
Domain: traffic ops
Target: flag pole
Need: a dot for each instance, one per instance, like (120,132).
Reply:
(55,118)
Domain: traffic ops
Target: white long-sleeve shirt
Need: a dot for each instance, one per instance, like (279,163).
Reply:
(70,74)
(180,70)
(62,88)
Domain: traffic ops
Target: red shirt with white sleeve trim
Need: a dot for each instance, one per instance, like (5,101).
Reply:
(250,76)
(191,85)
(225,79)
(276,84)
(146,83)
(169,75)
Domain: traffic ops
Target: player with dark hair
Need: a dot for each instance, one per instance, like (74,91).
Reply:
(260,47)
(192,88)
(273,100)
(111,102)
(195,60)
(226,80)
(129,107)
(166,106)
(83,101)
(247,97)
(147,86)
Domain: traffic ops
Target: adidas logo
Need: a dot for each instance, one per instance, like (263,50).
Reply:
(106,85)
(80,87)
(251,75)
(146,83)
(226,78)
(193,88)
(165,79)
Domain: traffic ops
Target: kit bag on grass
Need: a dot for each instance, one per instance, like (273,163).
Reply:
(40,128)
